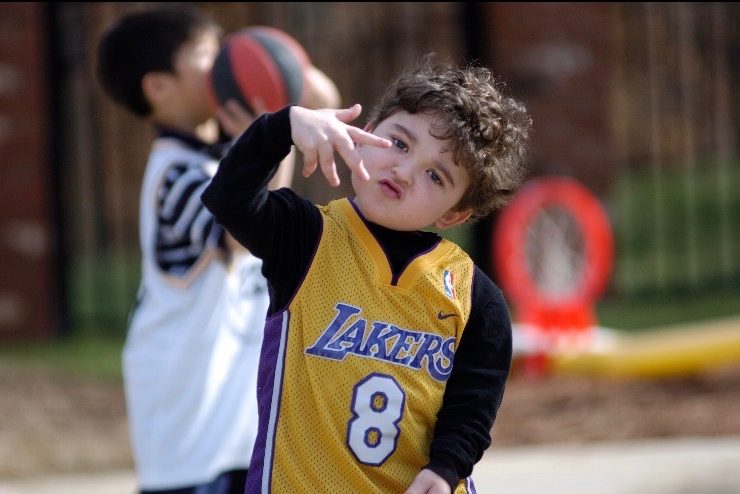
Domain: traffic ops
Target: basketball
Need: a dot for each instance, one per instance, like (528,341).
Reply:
(259,62)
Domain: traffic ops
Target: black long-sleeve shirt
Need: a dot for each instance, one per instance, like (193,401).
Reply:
(283,229)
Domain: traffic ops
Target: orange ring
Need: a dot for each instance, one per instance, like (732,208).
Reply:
(510,234)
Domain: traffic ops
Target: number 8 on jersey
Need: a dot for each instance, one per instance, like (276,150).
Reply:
(377,408)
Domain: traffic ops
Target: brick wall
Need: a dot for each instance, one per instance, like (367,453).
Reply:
(27,288)
(560,59)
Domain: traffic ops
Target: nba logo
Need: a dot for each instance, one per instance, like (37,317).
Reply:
(448,279)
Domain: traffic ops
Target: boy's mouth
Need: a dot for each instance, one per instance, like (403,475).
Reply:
(390,188)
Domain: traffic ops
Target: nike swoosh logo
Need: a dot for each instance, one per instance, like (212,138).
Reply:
(441,316)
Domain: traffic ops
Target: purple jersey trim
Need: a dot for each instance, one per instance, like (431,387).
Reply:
(269,394)
(470,486)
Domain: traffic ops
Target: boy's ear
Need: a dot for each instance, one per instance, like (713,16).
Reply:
(453,218)
(155,85)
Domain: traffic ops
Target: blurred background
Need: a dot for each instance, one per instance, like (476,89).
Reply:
(637,101)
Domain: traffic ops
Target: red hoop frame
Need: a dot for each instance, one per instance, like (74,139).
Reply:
(509,235)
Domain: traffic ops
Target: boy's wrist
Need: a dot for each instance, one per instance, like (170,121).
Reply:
(447,473)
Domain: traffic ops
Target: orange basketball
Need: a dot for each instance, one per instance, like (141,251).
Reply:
(259,62)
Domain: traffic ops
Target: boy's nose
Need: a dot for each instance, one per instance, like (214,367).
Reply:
(402,173)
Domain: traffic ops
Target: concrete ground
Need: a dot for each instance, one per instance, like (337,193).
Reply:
(675,466)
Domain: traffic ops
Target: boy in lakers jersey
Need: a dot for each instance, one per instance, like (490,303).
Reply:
(386,350)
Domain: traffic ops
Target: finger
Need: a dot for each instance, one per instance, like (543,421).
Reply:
(223,115)
(362,137)
(346,115)
(328,165)
(228,124)
(351,156)
(310,161)
(234,117)
(239,111)
(258,105)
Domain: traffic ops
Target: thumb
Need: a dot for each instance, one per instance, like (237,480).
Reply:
(346,115)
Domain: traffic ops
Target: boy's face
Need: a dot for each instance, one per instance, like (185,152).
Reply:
(192,64)
(413,184)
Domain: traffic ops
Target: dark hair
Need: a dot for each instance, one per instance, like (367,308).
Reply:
(487,131)
(142,42)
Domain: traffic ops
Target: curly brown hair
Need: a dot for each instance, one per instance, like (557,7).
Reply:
(487,131)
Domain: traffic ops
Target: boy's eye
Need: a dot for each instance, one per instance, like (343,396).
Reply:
(399,144)
(435,177)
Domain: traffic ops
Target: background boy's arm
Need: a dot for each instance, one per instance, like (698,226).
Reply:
(476,385)
(184,228)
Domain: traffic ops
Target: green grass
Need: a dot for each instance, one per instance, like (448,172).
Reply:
(461,235)
(102,291)
(643,313)
(676,228)
(88,355)
(677,240)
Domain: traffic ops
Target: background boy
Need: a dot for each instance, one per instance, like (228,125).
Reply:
(189,363)
(383,342)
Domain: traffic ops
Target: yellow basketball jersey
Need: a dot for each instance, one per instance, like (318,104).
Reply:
(362,363)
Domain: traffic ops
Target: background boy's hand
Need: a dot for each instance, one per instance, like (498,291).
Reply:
(235,118)
(428,482)
(318,134)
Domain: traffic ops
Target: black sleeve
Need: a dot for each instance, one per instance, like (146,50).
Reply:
(238,195)
(279,227)
(185,228)
(476,385)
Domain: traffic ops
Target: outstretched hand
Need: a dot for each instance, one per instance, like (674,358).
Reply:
(318,134)
(428,482)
